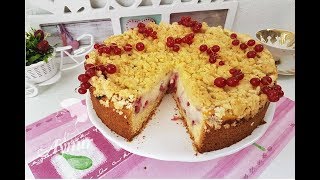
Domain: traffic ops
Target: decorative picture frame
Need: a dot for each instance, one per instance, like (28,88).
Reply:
(68,11)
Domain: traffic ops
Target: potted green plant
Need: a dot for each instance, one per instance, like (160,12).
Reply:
(40,65)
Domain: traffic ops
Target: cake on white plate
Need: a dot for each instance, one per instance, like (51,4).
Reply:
(222,81)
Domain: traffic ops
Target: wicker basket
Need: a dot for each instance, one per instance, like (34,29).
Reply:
(41,71)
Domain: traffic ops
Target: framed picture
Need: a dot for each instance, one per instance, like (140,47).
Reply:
(78,17)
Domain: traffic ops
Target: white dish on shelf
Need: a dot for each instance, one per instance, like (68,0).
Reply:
(164,139)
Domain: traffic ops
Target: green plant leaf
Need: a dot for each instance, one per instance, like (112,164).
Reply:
(34,57)
(78,162)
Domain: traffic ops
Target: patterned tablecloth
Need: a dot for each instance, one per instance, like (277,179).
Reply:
(66,145)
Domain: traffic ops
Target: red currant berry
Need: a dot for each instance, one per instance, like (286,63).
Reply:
(149,31)
(170,43)
(235,42)
(117,51)
(209,51)
(83,78)
(140,46)
(111,68)
(178,41)
(196,29)
(239,76)
(215,48)
(255,81)
(101,68)
(274,98)
(176,48)
(170,39)
(88,66)
(85,85)
(280,93)
(142,30)
(232,81)
(258,48)
(277,87)
(141,25)
(266,89)
(91,72)
(96,46)
(107,50)
(184,39)
(251,54)
(233,36)
(234,71)
(87,56)
(221,63)
(189,41)
(127,47)
(203,48)
(212,59)
(251,42)
(243,46)
(220,82)
(266,80)
(100,50)
(82,90)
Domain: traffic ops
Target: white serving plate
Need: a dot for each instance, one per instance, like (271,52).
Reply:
(168,140)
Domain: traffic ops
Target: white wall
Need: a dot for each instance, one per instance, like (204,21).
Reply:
(252,15)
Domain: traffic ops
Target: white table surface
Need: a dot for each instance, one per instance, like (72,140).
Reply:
(49,98)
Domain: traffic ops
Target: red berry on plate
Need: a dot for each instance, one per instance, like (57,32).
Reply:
(209,51)
(39,33)
(82,90)
(83,78)
(221,63)
(277,87)
(251,42)
(141,25)
(117,51)
(196,29)
(127,47)
(170,39)
(88,66)
(43,46)
(100,50)
(203,48)
(258,48)
(239,76)
(251,54)
(243,46)
(220,82)
(85,85)
(266,80)
(96,46)
(106,50)
(233,36)
(175,48)
(87,56)
(212,59)
(154,34)
(232,81)
(170,43)
(255,81)
(91,72)
(184,39)
(215,48)
(149,31)
(189,41)
(190,36)
(235,42)
(140,46)
(111,68)
(142,30)
(178,41)
(273,98)
(101,68)
(234,71)
(266,89)
(280,93)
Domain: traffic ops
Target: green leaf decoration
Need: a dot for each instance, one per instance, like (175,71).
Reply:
(34,57)
(78,162)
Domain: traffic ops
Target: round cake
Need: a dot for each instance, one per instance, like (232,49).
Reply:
(222,81)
